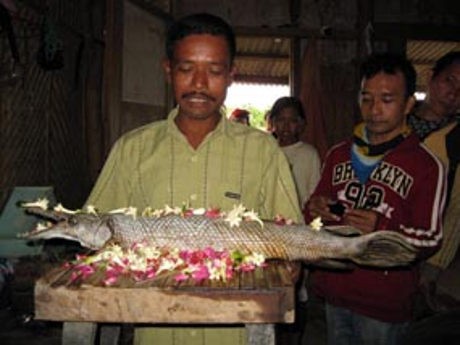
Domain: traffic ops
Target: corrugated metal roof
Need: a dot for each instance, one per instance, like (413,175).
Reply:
(266,60)
(262,60)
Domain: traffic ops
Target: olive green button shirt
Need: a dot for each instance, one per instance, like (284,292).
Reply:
(155,166)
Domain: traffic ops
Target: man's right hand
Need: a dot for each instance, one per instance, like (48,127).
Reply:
(319,206)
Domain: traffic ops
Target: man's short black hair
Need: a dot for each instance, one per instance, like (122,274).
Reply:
(445,61)
(390,64)
(200,23)
(287,102)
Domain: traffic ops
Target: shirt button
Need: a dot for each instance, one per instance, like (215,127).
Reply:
(193,197)
(194,159)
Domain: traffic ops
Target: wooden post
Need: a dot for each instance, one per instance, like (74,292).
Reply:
(78,333)
(260,334)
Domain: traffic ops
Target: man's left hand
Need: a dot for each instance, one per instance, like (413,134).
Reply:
(364,220)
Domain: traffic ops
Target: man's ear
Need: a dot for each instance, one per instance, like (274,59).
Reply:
(409,105)
(167,68)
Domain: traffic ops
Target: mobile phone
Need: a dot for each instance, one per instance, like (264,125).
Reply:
(337,208)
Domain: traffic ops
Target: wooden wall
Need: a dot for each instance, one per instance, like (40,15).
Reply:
(51,123)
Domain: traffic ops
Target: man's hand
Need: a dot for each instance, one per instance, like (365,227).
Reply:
(318,206)
(364,220)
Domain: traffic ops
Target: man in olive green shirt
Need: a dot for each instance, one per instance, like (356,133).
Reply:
(197,156)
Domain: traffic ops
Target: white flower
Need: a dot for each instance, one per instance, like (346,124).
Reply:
(119,210)
(167,265)
(62,209)
(91,209)
(235,216)
(151,252)
(215,273)
(131,211)
(255,258)
(251,215)
(170,210)
(199,211)
(157,213)
(147,212)
(113,252)
(41,203)
(136,262)
(316,224)
(233,221)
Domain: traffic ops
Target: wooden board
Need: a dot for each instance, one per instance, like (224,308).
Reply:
(263,296)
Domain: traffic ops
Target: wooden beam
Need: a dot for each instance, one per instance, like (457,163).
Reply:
(112,82)
(260,79)
(263,56)
(295,67)
(427,32)
(293,31)
(156,11)
(294,11)
(421,62)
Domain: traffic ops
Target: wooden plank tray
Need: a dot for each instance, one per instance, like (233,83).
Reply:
(265,295)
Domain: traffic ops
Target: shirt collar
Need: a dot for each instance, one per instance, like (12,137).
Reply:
(222,126)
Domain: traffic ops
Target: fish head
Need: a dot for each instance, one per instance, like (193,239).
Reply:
(91,231)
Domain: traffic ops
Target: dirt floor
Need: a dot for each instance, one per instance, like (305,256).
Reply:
(18,326)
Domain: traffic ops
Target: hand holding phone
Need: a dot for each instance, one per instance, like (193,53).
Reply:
(337,208)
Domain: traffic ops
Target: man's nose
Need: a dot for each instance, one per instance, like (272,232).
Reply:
(376,107)
(200,79)
(282,125)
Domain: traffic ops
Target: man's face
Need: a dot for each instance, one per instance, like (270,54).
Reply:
(444,89)
(287,126)
(384,106)
(200,74)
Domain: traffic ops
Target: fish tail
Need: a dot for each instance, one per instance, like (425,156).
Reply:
(383,249)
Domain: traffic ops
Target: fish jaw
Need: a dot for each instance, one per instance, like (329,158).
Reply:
(90,231)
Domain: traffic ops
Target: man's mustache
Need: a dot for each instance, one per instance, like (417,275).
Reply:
(198,94)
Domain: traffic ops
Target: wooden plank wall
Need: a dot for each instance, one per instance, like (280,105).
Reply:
(51,121)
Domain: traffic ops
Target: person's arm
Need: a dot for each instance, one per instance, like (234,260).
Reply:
(427,203)
(451,229)
(319,201)
(278,189)
(306,172)
(315,173)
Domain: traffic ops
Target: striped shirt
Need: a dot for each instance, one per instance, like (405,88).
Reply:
(155,166)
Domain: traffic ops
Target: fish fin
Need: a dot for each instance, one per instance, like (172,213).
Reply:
(343,230)
(384,249)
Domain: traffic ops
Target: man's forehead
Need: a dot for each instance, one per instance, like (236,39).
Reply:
(386,81)
(453,69)
(206,42)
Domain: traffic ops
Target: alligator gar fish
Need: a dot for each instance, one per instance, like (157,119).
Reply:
(273,241)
